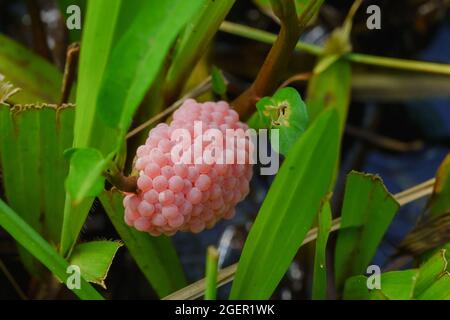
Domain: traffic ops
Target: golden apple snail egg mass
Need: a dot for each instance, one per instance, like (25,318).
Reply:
(190,195)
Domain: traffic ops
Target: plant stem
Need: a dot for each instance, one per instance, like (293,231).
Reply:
(73,51)
(393,63)
(211,273)
(268,77)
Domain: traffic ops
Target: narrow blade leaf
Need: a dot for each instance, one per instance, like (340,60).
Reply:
(367,212)
(288,212)
(39,248)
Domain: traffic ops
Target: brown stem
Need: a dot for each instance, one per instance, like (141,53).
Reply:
(268,77)
(73,52)
(123,183)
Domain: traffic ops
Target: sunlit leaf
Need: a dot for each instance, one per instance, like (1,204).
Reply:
(288,211)
(193,43)
(32,141)
(431,270)
(144,47)
(85,177)
(395,285)
(94,259)
(320,284)
(440,290)
(41,250)
(330,89)
(367,212)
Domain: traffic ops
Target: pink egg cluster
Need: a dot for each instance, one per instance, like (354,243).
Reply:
(187,197)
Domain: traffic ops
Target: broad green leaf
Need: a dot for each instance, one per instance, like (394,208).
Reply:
(193,43)
(155,256)
(399,285)
(367,212)
(439,202)
(288,210)
(94,259)
(286,112)
(319,291)
(39,248)
(440,290)
(32,141)
(356,289)
(330,89)
(39,80)
(84,182)
(144,47)
(219,83)
(98,36)
(395,285)
(99,31)
(430,271)
(85,177)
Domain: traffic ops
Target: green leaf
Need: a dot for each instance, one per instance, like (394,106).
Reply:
(85,176)
(212,257)
(288,211)
(286,112)
(439,202)
(155,256)
(94,259)
(98,36)
(39,80)
(395,285)
(193,43)
(39,248)
(330,89)
(367,212)
(144,47)
(255,122)
(399,285)
(32,140)
(219,83)
(319,291)
(99,32)
(84,182)
(356,289)
(440,290)
(430,271)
